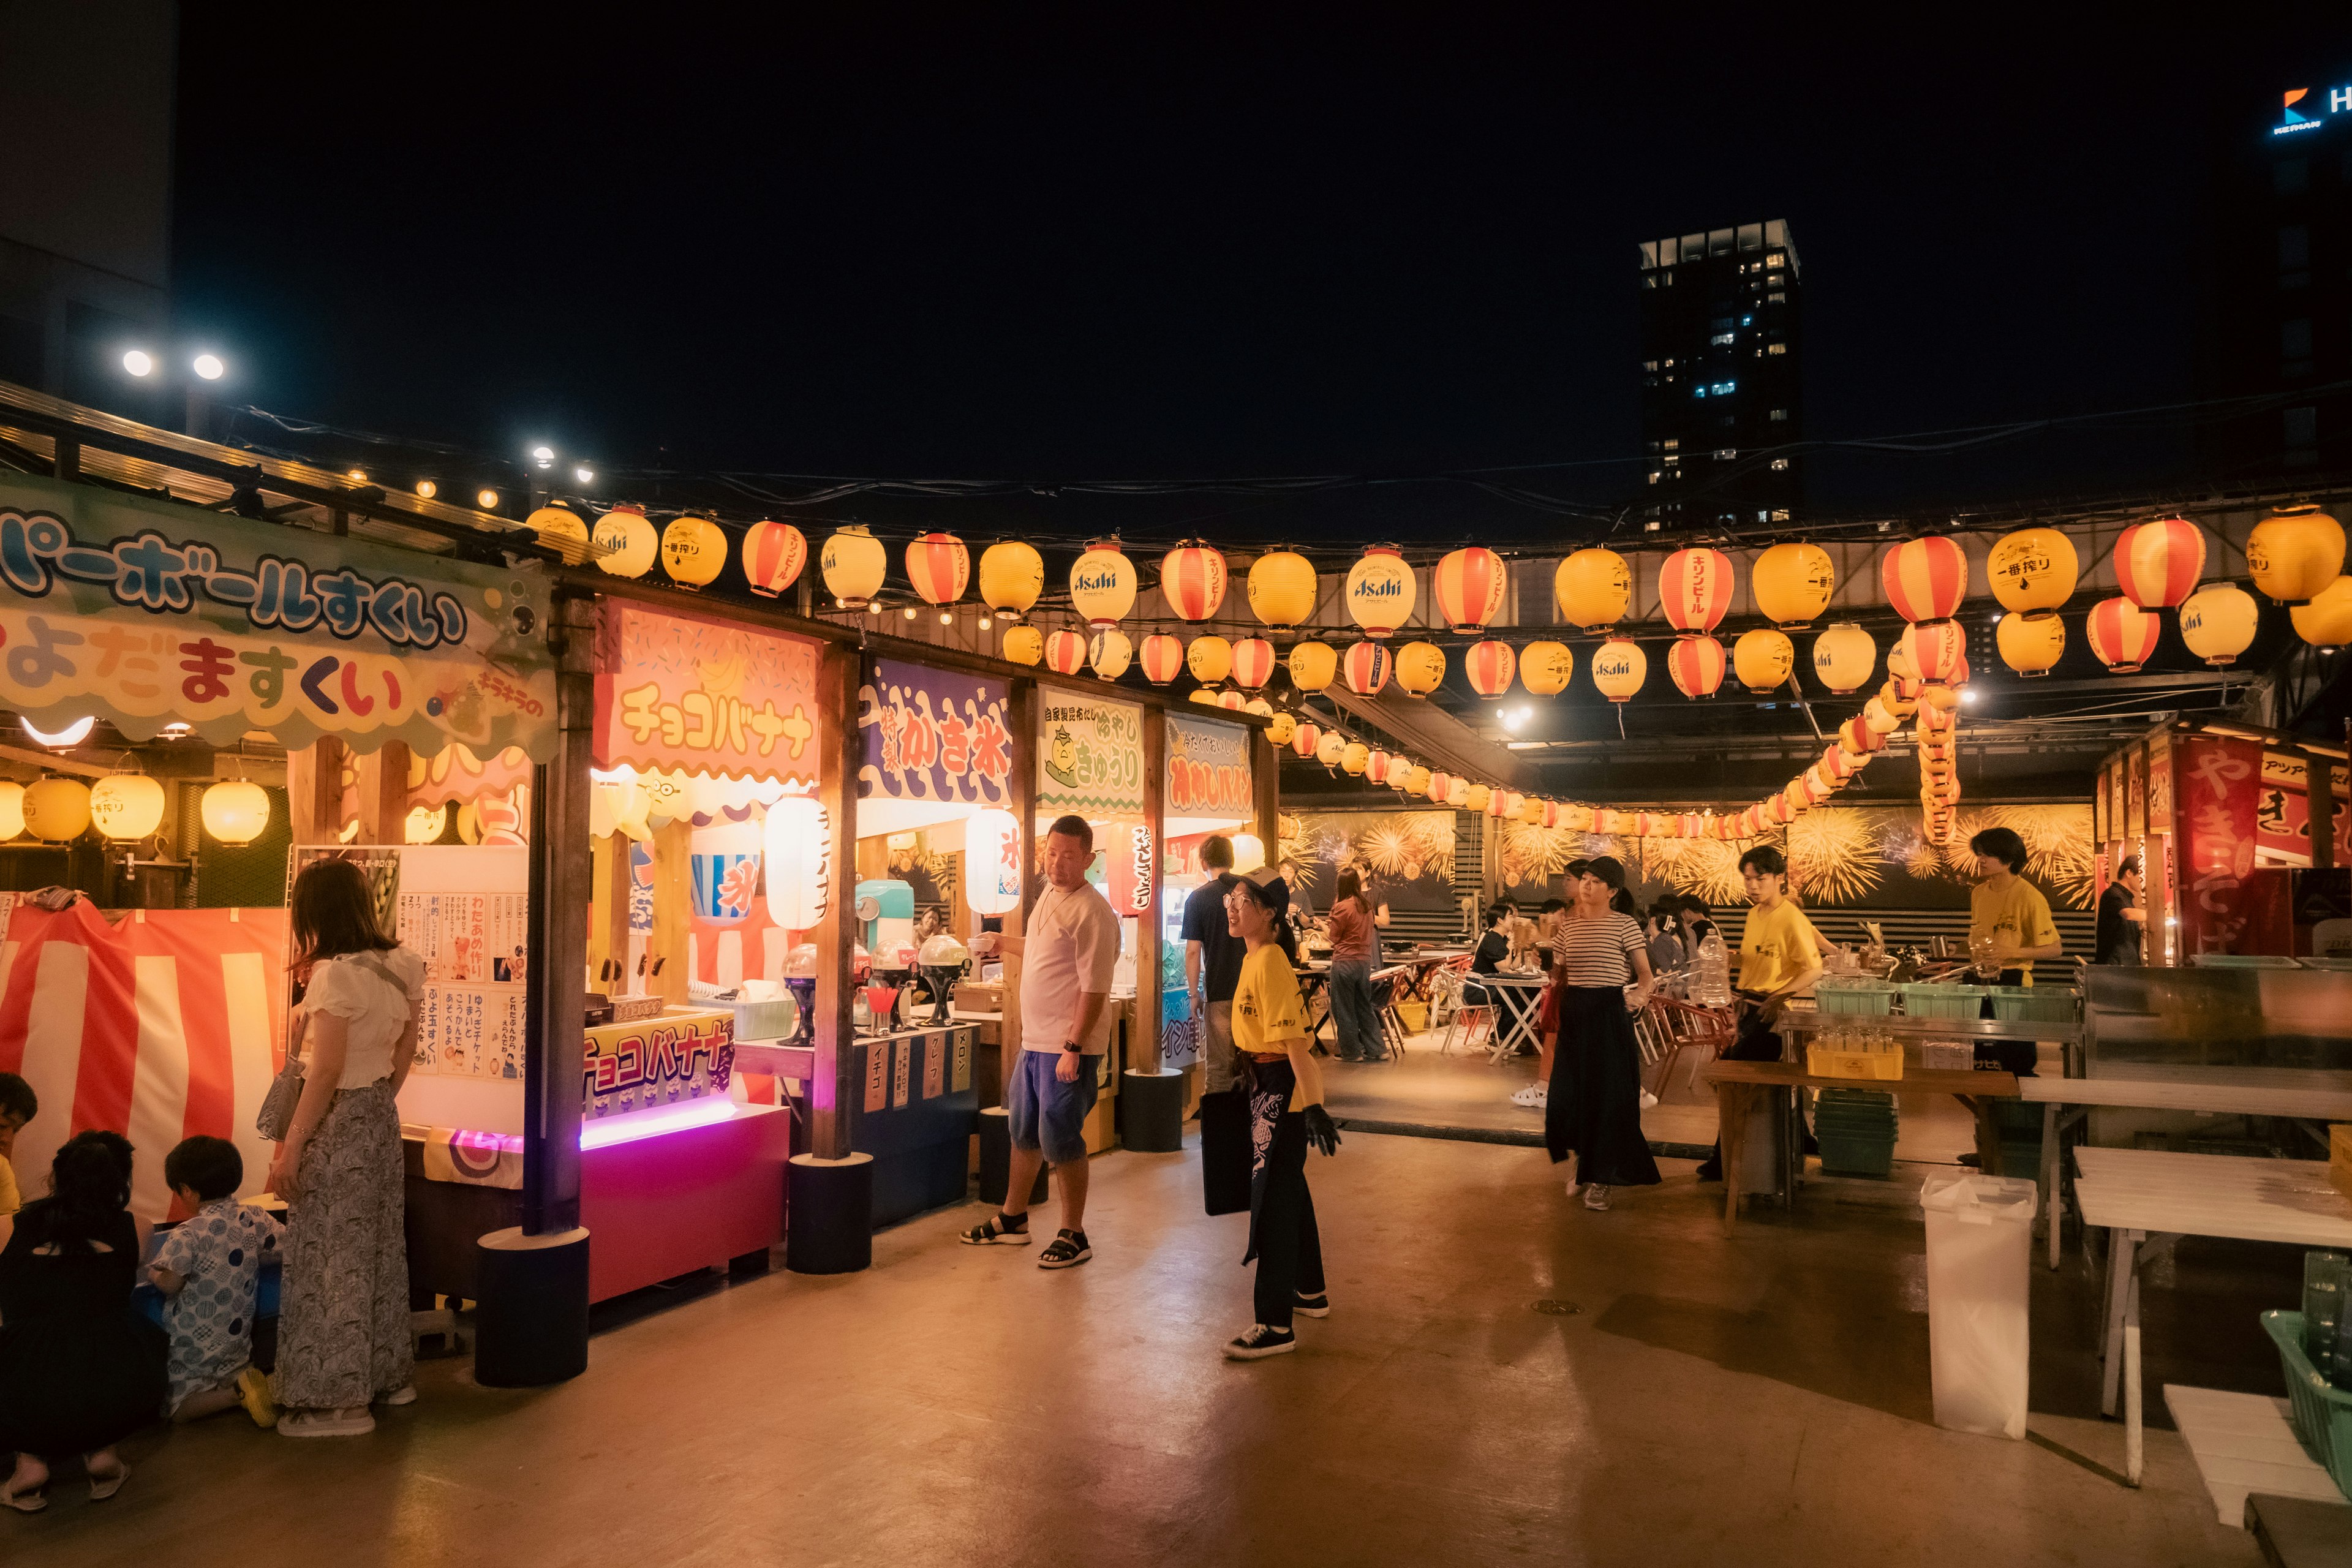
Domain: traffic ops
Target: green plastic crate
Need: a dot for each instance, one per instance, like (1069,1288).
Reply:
(1866,998)
(2323,1413)
(1844,1156)
(1943,1001)
(2033,1003)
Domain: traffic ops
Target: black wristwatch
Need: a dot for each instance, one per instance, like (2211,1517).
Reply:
(1073,1048)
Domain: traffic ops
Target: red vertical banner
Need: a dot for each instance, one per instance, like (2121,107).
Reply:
(2135,792)
(2220,787)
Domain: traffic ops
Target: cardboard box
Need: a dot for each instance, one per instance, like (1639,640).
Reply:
(972,997)
(2339,1157)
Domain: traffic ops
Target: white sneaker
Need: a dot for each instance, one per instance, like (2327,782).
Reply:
(1648,1099)
(1533,1096)
(1596,1196)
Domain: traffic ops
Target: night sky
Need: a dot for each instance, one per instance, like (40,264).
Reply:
(917,247)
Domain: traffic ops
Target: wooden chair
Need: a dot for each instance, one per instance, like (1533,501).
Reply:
(1667,1028)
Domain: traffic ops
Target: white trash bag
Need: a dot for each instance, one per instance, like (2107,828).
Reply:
(1979,1261)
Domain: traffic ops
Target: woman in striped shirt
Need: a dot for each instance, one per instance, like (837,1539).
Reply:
(1594,1109)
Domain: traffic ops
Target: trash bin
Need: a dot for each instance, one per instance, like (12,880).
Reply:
(1979,1252)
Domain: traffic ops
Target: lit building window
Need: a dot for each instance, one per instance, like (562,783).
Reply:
(1653,476)
(1775,259)
(1778,464)
(1780,415)
(1777,299)
(1725,454)
(1722,338)
(1775,348)
(1780,514)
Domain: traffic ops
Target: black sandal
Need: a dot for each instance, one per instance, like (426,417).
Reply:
(1067,1250)
(998,1232)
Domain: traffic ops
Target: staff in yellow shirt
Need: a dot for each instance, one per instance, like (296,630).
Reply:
(1779,957)
(18,1105)
(2009,920)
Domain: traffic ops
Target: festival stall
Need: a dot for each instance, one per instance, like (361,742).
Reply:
(1208,788)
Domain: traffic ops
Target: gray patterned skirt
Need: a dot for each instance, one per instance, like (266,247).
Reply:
(344,1334)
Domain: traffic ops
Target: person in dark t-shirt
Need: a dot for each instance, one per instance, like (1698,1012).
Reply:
(1212,963)
(2122,920)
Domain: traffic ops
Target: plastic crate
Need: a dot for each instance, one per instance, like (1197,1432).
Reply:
(1842,1156)
(1866,999)
(1943,1001)
(2323,1413)
(1822,1062)
(2034,1005)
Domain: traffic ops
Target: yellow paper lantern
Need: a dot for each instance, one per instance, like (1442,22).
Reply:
(235,811)
(1381,591)
(1024,645)
(1763,658)
(425,824)
(1595,588)
(1420,667)
(1416,780)
(1356,758)
(625,543)
(693,550)
(1259,705)
(1477,798)
(56,810)
(1793,583)
(1330,748)
(1547,667)
(12,810)
(2031,645)
(2218,623)
(1896,703)
(1012,576)
(2295,553)
(1210,658)
(559,529)
(1280,728)
(2031,570)
(1110,653)
(1102,585)
(1844,657)
(1879,718)
(1312,666)
(126,806)
(1619,667)
(1282,588)
(853,565)
(2326,621)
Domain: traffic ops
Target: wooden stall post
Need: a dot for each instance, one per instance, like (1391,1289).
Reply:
(1021,715)
(1266,785)
(2319,807)
(383,791)
(833,1087)
(1143,1045)
(314,791)
(555,983)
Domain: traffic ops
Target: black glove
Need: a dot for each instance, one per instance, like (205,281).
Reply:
(1321,1132)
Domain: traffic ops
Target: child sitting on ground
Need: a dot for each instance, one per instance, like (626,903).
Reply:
(18,1106)
(209,1270)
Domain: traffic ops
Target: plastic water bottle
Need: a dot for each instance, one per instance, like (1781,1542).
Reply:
(1712,977)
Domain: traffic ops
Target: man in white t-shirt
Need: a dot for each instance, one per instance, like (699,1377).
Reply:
(1069,946)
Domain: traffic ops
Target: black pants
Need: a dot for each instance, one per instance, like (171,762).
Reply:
(1755,1042)
(1283,1237)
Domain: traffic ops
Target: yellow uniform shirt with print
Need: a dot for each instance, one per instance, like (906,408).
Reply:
(1776,946)
(2017,916)
(1268,1009)
(9,1200)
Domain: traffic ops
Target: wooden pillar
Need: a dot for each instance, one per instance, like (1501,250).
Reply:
(2319,795)
(673,910)
(314,791)
(833,1090)
(1143,1046)
(1266,785)
(383,795)
(1021,715)
(554,990)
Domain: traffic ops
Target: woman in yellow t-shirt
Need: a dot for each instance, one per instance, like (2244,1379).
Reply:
(1285,1095)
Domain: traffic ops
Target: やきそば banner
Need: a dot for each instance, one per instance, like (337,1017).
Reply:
(932,734)
(680,693)
(148,612)
(1089,757)
(1208,770)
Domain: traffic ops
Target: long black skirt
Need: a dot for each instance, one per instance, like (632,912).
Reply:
(1594,1109)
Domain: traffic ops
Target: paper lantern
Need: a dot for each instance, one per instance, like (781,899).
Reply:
(1694,590)
(1249,852)
(1469,585)
(1845,657)
(1312,666)
(1439,785)
(693,550)
(1902,668)
(853,565)
(12,810)
(1696,665)
(1457,792)
(1109,653)
(1252,663)
(1835,765)
(1366,668)
(1781,809)
(2218,623)
(1936,695)
(1619,667)
(1926,578)
(625,543)
(2031,645)
(1376,766)
(1192,580)
(126,806)
(1896,702)
(1793,583)
(56,810)
(1551,810)
(1381,591)
(2032,569)
(1281,728)
(2326,621)
(773,556)
(1329,748)
(1026,644)
(1763,658)
(2122,634)
(1229,701)
(1210,658)
(1066,652)
(1879,719)
(796,860)
(234,811)
(2294,553)
(1935,649)
(1576,818)
(1259,705)
(1594,587)
(1420,667)
(1416,779)
(1012,576)
(1490,666)
(1102,585)
(1545,667)
(1161,657)
(2157,563)
(1282,588)
(559,529)
(1304,739)
(1355,758)
(991,863)
(1857,738)
(939,566)
(1478,799)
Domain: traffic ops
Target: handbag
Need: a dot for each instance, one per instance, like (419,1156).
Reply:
(1225,1151)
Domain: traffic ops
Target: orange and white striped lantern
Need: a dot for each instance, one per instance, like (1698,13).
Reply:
(1834,764)
(1936,649)
(1230,701)
(1066,652)
(939,566)
(775,553)
(1858,739)
(1781,809)
(2157,563)
(1439,785)
(1469,585)
(1161,657)
(1366,668)
(1551,814)
(1933,721)
(1192,580)
(1696,664)
(1381,591)
(1926,578)
(1694,590)
(1252,663)
(1376,766)
(1490,666)
(1306,737)
(1696,826)
(2122,634)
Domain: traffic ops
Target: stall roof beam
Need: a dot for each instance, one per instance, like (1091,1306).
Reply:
(1433,736)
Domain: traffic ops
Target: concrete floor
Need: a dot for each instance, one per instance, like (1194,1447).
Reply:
(1756,1401)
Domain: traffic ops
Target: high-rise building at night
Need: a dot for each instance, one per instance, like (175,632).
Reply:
(1721,395)
(2277,290)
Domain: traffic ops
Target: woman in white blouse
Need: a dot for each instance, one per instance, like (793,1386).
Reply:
(344,1328)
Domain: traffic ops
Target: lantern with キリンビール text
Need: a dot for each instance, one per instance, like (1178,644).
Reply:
(1935,649)
(1026,645)
(939,566)
(1793,583)
(853,565)
(1012,576)
(1762,658)
(2157,563)
(1926,578)
(1545,667)
(1468,586)
(1420,667)
(693,550)
(1694,590)
(1252,663)
(1109,653)
(1161,657)
(2219,622)
(1102,585)
(1282,588)
(1066,652)
(1844,657)
(2033,570)
(1619,667)
(796,857)
(2122,634)
(1366,667)
(775,553)
(1381,591)
(2294,553)
(1696,665)
(1490,666)
(1210,658)
(2031,645)
(625,543)
(1192,580)
(1594,587)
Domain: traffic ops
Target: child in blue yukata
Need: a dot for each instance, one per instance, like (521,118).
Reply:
(209,1270)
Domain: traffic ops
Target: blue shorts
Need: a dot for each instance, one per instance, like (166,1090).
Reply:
(1047,1114)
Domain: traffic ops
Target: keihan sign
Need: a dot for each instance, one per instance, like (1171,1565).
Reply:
(2306,107)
